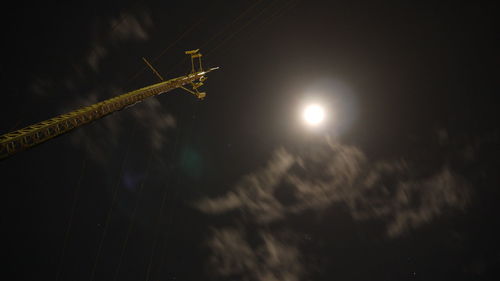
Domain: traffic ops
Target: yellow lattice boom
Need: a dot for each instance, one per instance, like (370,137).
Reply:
(30,136)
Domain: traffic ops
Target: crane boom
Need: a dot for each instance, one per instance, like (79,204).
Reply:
(38,133)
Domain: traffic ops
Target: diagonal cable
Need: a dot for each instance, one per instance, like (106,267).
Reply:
(113,200)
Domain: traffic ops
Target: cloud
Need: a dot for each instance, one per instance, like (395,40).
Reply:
(269,259)
(129,26)
(42,87)
(441,192)
(316,178)
(332,173)
(90,139)
(110,131)
(126,27)
(95,56)
(254,193)
(150,113)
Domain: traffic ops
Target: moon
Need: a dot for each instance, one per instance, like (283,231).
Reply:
(313,114)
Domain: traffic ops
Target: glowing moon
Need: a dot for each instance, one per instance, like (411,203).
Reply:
(313,114)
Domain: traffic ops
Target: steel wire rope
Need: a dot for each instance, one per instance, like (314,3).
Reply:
(173,153)
(178,176)
(110,211)
(170,219)
(148,271)
(235,20)
(289,5)
(116,24)
(187,31)
(110,214)
(160,214)
(232,23)
(77,189)
(132,219)
(164,51)
(70,221)
(251,20)
(279,13)
(113,200)
(175,145)
(150,157)
(142,185)
(171,213)
(164,197)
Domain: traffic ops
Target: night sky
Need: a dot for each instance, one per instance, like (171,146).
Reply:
(399,183)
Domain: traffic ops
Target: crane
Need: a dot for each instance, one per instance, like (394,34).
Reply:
(22,139)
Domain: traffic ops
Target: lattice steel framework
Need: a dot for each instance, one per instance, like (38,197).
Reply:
(30,136)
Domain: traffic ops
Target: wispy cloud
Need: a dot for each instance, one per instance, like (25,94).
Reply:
(97,140)
(152,115)
(129,26)
(148,114)
(326,174)
(96,55)
(270,259)
(254,194)
(334,173)
(42,87)
(125,27)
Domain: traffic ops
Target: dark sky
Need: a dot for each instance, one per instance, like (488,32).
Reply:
(401,183)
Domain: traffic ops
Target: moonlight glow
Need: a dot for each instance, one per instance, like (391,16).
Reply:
(313,114)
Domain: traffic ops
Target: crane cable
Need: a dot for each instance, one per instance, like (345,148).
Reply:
(170,218)
(132,218)
(178,180)
(232,23)
(160,215)
(148,273)
(176,194)
(82,171)
(124,246)
(122,252)
(77,189)
(279,12)
(113,201)
(252,19)
(76,194)
(162,206)
(187,31)
(235,20)
(147,171)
